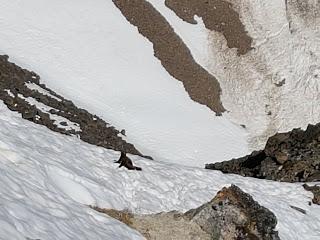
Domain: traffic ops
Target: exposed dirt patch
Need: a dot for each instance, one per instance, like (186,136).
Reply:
(123,216)
(41,105)
(231,215)
(291,157)
(217,15)
(161,226)
(173,53)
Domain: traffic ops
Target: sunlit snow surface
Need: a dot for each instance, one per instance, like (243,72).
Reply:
(89,53)
(47,181)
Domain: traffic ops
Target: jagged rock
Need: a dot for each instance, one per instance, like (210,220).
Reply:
(316,193)
(231,215)
(292,157)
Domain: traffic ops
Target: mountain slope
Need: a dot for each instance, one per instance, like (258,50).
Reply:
(275,85)
(123,69)
(49,179)
(90,54)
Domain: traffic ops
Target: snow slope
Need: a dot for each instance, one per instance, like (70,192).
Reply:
(91,55)
(81,49)
(47,181)
(286,42)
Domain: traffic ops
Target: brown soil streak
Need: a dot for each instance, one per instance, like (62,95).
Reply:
(217,15)
(173,53)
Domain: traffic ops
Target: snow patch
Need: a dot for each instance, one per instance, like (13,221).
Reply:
(36,87)
(61,122)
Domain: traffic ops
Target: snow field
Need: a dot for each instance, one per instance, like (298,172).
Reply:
(90,54)
(49,179)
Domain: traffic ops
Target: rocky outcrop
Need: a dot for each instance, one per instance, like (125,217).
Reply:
(232,214)
(316,192)
(22,92)
(291,157)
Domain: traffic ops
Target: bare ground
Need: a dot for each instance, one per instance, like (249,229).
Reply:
(217,15)
(174,55)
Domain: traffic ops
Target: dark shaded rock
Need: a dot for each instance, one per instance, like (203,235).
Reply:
(63,123)
(123,132)
(292,157)
(14,92)
(316,192)
(315,177)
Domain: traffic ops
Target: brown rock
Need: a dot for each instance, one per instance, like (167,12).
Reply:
(316,192)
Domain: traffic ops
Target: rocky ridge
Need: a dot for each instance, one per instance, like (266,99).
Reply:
(290,157)
(22,92)
(316,192)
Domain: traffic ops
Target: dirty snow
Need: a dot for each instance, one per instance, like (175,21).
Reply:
(286,42)
(49,179)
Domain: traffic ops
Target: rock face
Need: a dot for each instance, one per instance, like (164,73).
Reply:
(291,157)
(232,214)
(316,192)
(22,92)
